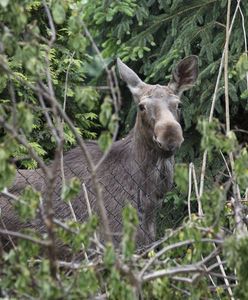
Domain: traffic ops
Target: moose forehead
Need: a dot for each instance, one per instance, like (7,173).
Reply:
(158,92)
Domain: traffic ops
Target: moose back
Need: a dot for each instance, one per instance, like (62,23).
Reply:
(138,169)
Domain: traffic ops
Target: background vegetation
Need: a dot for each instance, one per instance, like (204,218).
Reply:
(67,49)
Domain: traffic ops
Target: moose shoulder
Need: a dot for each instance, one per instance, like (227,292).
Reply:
(138,169)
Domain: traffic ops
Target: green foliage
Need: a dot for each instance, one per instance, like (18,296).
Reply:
(28,203)
(237,255)
(241,168)
(214,139)
(71,189)
(159,33)
(119,289)
(59,12)
(25,51)
(86,96)
(78,236)
(242,65)
(161,290)
(109,121)
(213,204)
(182,177)
(24,118)
(109,256)
(7,170)
(21,154)
(130,222)
(105,140)
(87,284)
(151,36)
(106,112)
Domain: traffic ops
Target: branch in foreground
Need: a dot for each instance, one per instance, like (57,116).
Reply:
(24,237)
(22,140)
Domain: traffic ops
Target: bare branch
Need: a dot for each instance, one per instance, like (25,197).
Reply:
(172,272)
(51,24)
(24,237)
(171,247)
(245,38)
(189,190)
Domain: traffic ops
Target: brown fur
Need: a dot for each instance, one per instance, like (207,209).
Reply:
(138,169)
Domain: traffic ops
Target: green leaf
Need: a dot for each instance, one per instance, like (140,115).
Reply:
(109,256)
(28,203)
(24,117)
(3,82)
(244,95)
(181,177)
(130,223)
(87,96)
(242,65)
(71,189)
(7,170)
(106,111)
(105,140)
(241,168)
(58,13)
(84,232)
(113,123)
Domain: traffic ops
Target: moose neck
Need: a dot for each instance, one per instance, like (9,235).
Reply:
(152,170)
(144,149)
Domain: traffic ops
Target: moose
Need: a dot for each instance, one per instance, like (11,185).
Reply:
(138,168)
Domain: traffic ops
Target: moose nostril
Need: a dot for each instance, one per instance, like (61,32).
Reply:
(172,147)
(155,139)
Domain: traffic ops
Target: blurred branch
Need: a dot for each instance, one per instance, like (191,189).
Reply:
(198,267)
(245,38)
(51,24)
(50,184)
(24,237)
(171,247)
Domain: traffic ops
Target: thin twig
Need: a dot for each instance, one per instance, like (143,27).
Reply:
(245,38)
(6,230)
(227,118)
(49,211)
(61,124)
(6,193)
(200,211)
(189,190)
(51,24)
(168,248)
(24,237)
(114,89)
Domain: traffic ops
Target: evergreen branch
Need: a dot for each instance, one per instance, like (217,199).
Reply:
(165,18)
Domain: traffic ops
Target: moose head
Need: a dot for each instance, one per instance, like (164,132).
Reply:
(158,105)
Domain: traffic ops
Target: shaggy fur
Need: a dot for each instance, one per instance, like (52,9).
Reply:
(138,169)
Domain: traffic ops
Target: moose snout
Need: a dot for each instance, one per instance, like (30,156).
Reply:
(168,137)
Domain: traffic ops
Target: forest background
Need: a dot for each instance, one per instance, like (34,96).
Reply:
(72,47)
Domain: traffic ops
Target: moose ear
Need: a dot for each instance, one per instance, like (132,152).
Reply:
(184,75)
(133,81)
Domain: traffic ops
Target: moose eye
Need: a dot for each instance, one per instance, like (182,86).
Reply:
(142,107)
